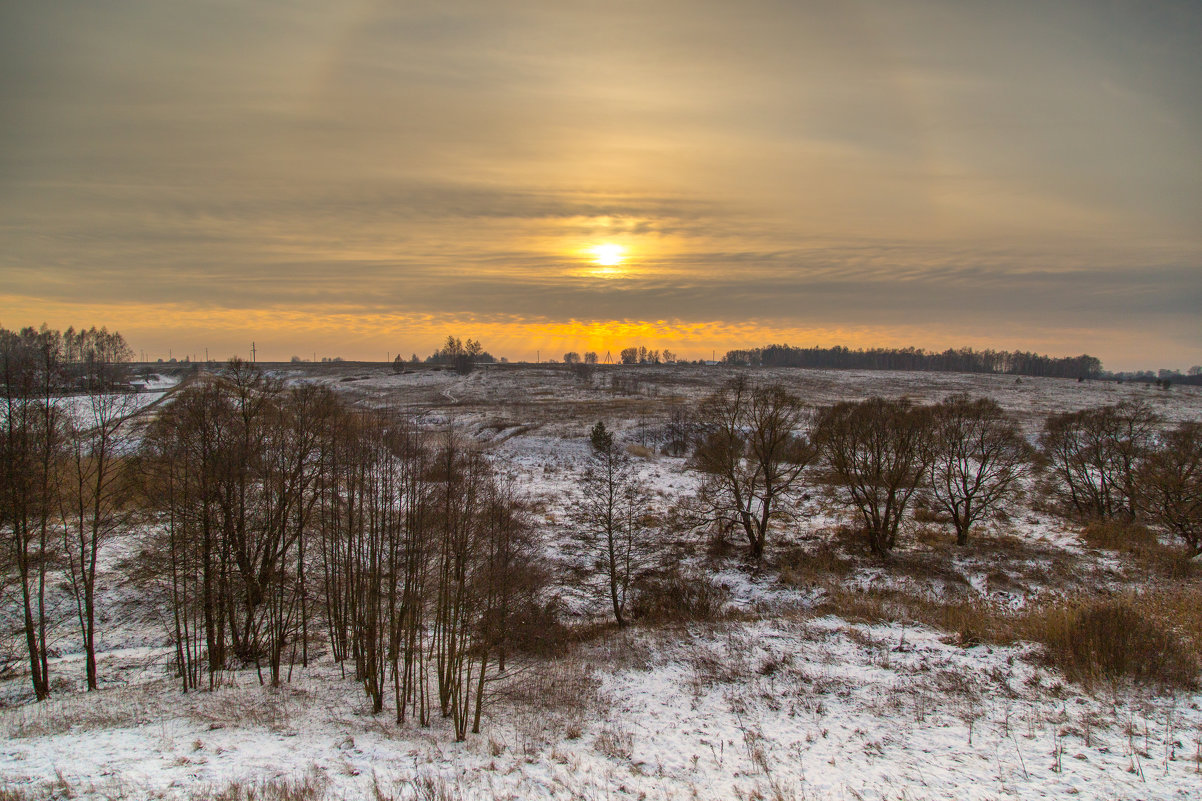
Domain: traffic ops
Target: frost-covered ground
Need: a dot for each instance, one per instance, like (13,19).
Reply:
(794,707)
(784,700)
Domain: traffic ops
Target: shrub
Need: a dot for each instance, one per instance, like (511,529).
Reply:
(1113,640)
(1117,535)
(679,597)
(1139,542)
(640,451)
(1152,639)
(803,568)
(538,630)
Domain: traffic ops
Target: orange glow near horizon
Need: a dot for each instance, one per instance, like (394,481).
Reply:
(279,334)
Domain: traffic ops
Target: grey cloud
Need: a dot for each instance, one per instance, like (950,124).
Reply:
(863,164)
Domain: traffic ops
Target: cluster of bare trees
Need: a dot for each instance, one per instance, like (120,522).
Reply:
(962,360)
(284,510)
(640,355)
(752,452)
(277,517)
(460,355)
(966,458)
(1119,461)
(62,486)
(966,454)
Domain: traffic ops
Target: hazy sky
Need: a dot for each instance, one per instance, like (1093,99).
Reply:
(359,178)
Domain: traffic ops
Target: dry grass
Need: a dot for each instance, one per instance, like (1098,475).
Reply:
(1154,638)
(1112,640)
(83,712)
(930,559)
(551,701)
(1140,545)
(805,568)
(615,742)
(680,597)
(310,787)
(14,794)
(568,686)
(423,787)
(969,619)
(273,708)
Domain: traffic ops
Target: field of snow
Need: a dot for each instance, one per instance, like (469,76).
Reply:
(781,699)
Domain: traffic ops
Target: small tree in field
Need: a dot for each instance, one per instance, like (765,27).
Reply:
(615,516)
(752,455)
(878,452)
(977,462)
(1170,482)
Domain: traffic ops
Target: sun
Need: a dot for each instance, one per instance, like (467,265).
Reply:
(608,254)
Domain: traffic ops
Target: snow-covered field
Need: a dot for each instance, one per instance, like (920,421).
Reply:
(794,707)
(783,699)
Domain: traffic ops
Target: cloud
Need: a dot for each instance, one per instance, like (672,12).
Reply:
(871,166)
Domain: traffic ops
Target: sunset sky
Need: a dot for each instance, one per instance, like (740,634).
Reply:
(358,179)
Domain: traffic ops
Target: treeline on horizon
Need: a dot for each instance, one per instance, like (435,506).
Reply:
(962,360)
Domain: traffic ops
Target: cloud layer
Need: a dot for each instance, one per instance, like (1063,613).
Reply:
(929,173)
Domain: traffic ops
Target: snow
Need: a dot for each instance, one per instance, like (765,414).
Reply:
(794,708)
(780,701)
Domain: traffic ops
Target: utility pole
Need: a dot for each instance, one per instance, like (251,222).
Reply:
(252,352)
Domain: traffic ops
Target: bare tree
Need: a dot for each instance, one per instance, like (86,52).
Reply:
(878,454)
(171,557)
(978,461)
(681,429)
(1170,482)
(614,514)
(753,454)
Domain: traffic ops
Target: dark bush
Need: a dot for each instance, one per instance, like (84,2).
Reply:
(679,597)
(1114,640)
(1141,544)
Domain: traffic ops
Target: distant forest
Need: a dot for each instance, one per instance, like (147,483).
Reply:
(964,360)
